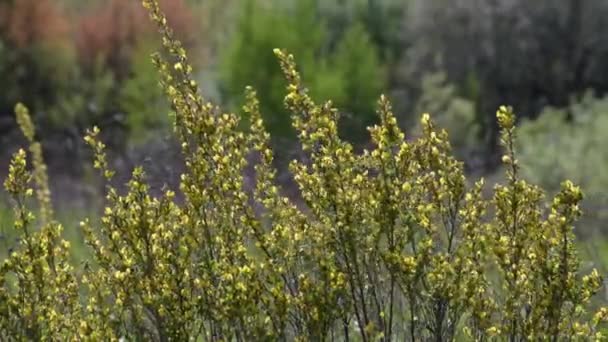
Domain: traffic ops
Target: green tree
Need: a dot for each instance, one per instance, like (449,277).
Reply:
(350,72)
(141,98)
(361,77)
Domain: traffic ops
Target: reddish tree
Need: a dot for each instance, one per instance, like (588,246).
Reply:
(24,23)
(114,30)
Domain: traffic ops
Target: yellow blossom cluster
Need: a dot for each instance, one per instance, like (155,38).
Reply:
(393,243)
(39,289)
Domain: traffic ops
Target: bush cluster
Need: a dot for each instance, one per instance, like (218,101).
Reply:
(529,54)
(392,243)
(570,141)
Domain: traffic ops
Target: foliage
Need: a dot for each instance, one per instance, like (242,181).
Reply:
(383,20)
(115,30)
(27,22)
(350,73)
(88,100)
(39,65)
(528,53)
(452,112)
(358,67)
(393,242)
(39,293)
(259,29)
(142,100)
(96,72)
(7,234)
(35,53)
(569,141)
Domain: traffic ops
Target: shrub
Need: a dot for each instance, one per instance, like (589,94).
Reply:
(392,243)
(451,112)
(570,141)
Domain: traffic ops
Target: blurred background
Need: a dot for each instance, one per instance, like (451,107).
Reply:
(82,63)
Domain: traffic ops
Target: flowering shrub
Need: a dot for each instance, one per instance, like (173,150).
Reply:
(392,243)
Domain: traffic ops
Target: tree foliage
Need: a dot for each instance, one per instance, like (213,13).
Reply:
(30,30)
(114,31)
(571,142)
(451,111)
(527,53)
(349,72)
(88,73)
